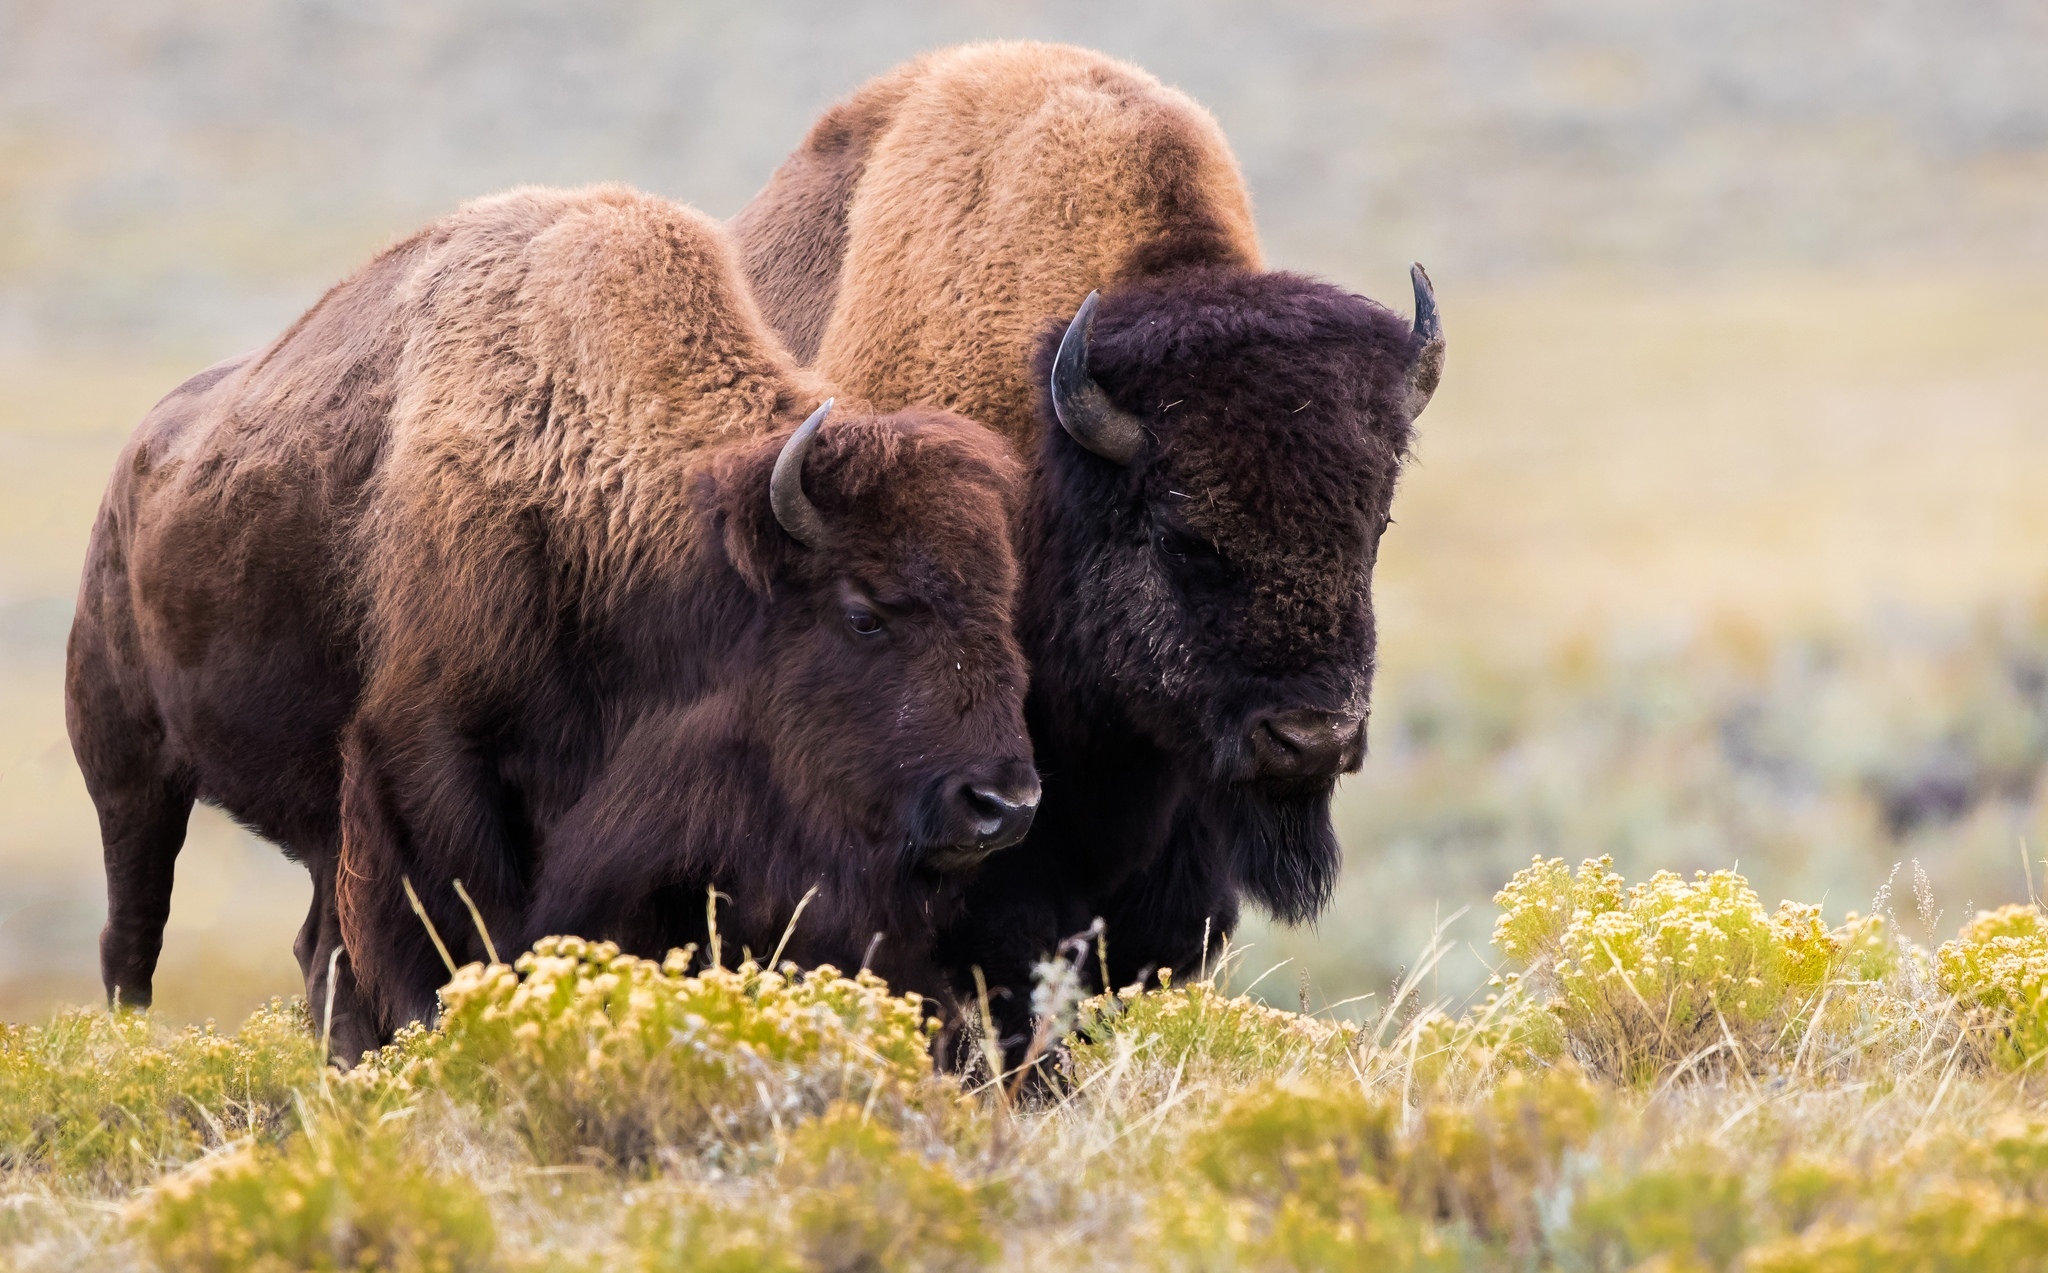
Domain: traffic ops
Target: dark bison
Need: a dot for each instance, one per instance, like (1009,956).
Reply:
(1199,538)
(504,564)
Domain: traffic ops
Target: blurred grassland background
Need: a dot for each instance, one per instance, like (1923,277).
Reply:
(1725,539)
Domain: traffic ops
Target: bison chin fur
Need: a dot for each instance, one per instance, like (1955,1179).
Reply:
(1285,849)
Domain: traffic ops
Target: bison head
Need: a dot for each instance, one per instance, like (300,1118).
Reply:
(888,688)
(1212,506)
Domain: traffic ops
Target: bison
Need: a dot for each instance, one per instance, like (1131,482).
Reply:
(507,564)
(1214,448)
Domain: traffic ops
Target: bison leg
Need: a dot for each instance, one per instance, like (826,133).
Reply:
(142,827)
(419,806)
(142,794)
(343,1020)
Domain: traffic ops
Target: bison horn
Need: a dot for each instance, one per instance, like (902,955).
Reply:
(1084,410)
(786,495)
(1428,342)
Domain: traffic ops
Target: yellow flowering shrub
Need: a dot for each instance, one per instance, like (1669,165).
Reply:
(864,1200)
(1510,1030)
(1484,1162)
(1298,1176)
(1199,1025)
(2017,1156)
(339,1199)
(1327,1174)
(697,1235)
(2000,962)
(1543,900)
(586,1049)
(112,1099)
(1804,1191)
(1672,970)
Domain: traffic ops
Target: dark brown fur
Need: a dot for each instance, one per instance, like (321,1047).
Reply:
(792,246)
(1181,609)
(473,574)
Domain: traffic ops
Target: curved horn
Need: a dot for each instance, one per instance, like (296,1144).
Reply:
(1084,410)
(1428,342)
(786,495)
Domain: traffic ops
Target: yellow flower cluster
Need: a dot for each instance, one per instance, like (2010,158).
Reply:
(2000,962)
(1673,970)
(110,1099)
(337,1200)
(589,1048)
(1199,1023)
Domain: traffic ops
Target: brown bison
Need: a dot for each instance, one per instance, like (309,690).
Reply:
(503,564)
(1215,448)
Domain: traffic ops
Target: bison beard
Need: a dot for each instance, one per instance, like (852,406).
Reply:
(482,571)
(1210,479)
(1287,853)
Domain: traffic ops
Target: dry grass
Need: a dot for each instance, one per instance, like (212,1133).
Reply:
(1187,1130)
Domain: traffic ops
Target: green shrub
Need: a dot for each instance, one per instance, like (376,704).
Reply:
(590,1051)
(1298,1176)
(863,1200)
(1675,971)
(1691,1218)
(109,1100)
(847,1195)
(1953,1226)
(340,1198)
(1999,962)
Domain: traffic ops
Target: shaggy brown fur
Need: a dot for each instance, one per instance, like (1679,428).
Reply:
(1197,603)
(985,189)
(792,243)
(473,574)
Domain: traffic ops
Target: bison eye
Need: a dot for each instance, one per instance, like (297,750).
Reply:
(1181,546)
(864,621)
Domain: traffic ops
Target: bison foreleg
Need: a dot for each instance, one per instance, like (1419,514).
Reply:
(340,1014)
(418,807)
(142,827)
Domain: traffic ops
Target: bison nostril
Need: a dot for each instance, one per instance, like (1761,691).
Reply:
(1001,812)
(1296,736)
(988,807)
(998,803)
(1306,744)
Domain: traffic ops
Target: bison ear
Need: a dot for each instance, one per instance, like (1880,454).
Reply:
(735,500)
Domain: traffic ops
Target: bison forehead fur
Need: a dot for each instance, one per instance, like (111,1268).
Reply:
(1273,406)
